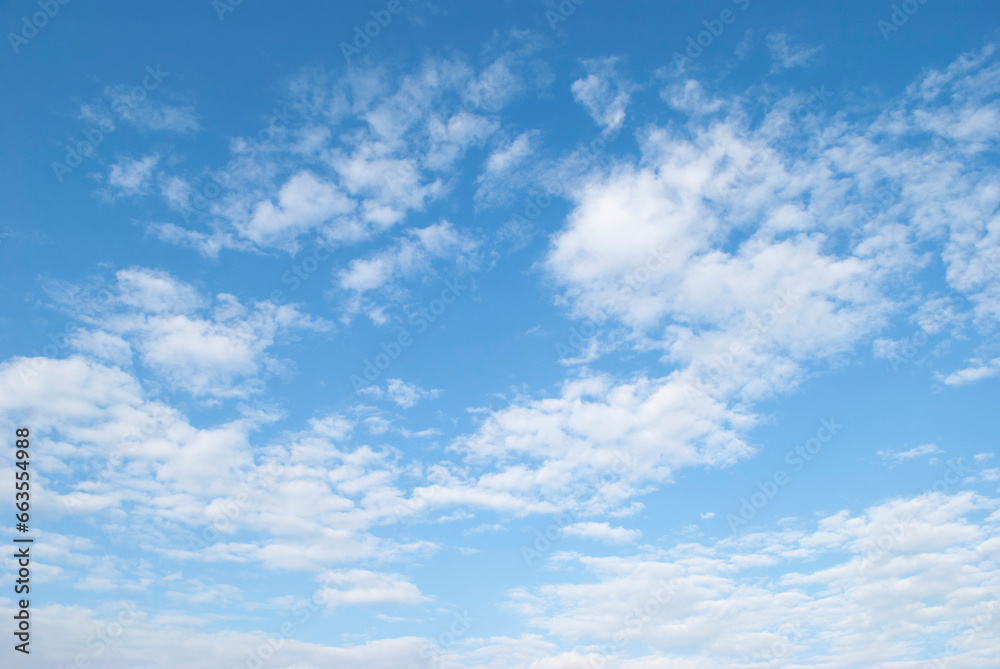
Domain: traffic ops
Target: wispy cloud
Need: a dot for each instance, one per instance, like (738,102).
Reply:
(605,91)
(785,54)
(894,457)
(977,372)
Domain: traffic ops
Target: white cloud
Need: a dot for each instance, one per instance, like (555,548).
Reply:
(156,291)
(132,177)
(895,457)
(743,275)
(972,374)
(221,354)
(124,634)
(402,393)
(511,154)
(140,469)
(740,254)
(407,395)
(602,532)
(353,587)
(828,597)
(604,92)
(513,167)
(374,147)
(785,54)
(71,386)
(640,431)
(102,417)
(146,113)
(507,169)
(411,255)
(453,136)
(208,244)
(103,346)
(175,191)
(303,203)
(690,97)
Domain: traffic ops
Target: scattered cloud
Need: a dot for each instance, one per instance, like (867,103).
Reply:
(893,457)
(213,348)
(602,532)
(785,54)
(406,395)
(605,92)
(353,587)
(978,372)
(147,113)
(132,177)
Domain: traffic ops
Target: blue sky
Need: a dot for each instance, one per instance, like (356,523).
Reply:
(515,334)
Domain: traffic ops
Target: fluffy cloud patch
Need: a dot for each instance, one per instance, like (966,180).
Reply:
(211,348)
(132,177)
(902,583)
(604,92)
(602,532)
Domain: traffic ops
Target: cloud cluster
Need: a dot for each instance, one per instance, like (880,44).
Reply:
(212,348)
(350,156)
(748,256)
(734,255)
